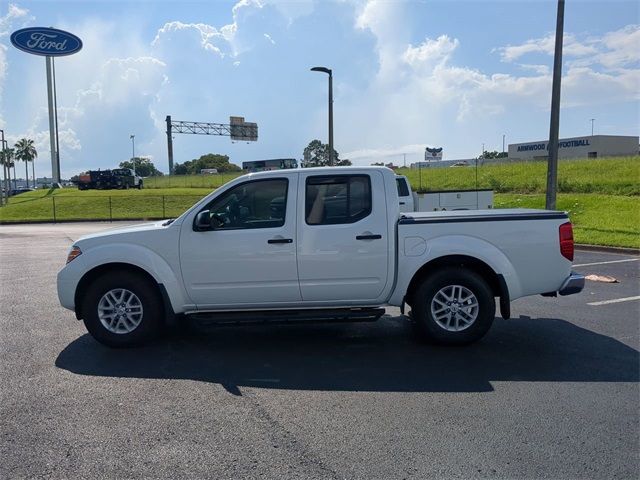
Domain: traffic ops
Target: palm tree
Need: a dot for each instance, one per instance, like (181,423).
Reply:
(6,160)
(26,152)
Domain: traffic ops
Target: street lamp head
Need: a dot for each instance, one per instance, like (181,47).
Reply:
(321,69)
(132,137)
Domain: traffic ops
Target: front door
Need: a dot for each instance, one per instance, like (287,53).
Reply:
(249,257)
(343,249)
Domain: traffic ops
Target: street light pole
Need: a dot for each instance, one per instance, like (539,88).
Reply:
(329,72)
(592,120)
(503,135)
(133,153)
(554,128)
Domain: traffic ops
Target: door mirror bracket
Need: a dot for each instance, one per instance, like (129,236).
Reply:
(202,222)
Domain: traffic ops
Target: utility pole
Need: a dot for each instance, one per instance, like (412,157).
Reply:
(503,135)
(592,120)
(133,153)
(554,128)
(5,187)
(404,155)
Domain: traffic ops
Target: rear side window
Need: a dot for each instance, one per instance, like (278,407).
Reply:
(337,199)
(403,190)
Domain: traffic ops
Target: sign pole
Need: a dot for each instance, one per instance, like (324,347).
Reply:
(55,171)
(169,144)
(552,168)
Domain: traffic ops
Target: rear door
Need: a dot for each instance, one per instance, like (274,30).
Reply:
(342,237)
(404,194)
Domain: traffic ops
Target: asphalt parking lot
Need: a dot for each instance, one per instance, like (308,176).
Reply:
(552,393)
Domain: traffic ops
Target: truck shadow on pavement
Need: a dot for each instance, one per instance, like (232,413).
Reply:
(385,356)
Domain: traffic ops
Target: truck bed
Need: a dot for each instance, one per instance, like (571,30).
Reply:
(515,214)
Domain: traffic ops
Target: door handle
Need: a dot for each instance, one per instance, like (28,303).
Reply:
(368,237)
(280,240)
(401,203)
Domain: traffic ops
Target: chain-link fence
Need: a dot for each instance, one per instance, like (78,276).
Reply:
(56,208)
(190,181)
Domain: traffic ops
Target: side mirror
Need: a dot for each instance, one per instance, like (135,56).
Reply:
(203,221)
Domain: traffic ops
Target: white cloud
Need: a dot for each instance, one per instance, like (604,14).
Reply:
(546,45)
(15,15)
(615,49)
(210,38)
(388,154)
(268,37)
(430,53)
(14,18)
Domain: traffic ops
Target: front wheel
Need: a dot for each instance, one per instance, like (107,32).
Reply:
(454,306)
(122,309)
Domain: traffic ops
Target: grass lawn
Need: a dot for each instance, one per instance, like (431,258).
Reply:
(601,196)
(613,176)
(597,219)
(72,204)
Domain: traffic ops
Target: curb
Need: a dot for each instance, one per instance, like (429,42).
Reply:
(605,249)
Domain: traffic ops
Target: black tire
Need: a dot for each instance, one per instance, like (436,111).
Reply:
(140,185)
(444,280)
(148,297)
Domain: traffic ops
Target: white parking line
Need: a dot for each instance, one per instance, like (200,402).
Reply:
(604,263)
(617,300)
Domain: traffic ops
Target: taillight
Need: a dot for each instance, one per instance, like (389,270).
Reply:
(566,241)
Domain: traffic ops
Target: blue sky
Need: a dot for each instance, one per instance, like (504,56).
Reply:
(406,74)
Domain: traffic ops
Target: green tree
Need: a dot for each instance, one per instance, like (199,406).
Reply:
(6,160)
(210,160)
(316,154)
(144,167)
(493,154)
(26,151)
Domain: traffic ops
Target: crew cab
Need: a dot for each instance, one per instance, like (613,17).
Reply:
(316,244)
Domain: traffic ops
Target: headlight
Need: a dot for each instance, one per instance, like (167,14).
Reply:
(75,252)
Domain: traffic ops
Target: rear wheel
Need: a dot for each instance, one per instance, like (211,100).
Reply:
(454,306)
(122,309)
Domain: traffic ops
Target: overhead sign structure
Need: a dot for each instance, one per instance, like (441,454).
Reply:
(237,129)
(242,131)
(49,43)
(46,41)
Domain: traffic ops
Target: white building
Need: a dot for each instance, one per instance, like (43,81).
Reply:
(593,146)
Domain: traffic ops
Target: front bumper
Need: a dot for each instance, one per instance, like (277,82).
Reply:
(573,284)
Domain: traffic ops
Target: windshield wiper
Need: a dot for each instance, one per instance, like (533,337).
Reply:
(169,222)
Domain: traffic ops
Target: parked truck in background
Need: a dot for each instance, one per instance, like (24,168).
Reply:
(316,244)
(118,178)
(437,200)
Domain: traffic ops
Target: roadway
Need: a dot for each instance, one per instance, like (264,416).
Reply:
(552,393)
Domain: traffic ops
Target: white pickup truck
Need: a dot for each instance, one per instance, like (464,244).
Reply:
(316,244)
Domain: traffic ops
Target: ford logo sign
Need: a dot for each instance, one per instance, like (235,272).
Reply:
(49,42)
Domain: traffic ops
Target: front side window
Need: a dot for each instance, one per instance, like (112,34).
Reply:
(337,199)
(257,204)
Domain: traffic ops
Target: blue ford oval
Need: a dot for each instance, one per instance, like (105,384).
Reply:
(49,42)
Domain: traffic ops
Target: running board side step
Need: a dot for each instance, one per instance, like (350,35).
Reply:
(289,316)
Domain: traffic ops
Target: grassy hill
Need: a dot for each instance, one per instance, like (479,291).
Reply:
(602,196)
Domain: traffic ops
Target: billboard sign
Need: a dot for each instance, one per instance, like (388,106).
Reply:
(242,131)
(433,154)
(48,42)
